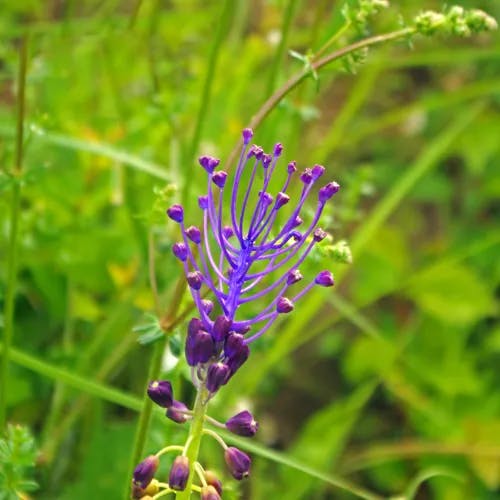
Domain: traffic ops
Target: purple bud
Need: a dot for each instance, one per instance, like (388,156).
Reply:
(326,192)
(293,277)
(237,462)
(256,151)
(199,347)
(208,163)
(284,305)
(217,375)
(292,167)
(242,424)
(179,473)
(203,202)
(319,234)
(278,149)
(266,160)
(194,234)
(219,178)
(194,279)
(324,278)
(176,213)
(176,412)
(145,471)
(180,251)
(306,177)
(221,328)
(266,198)
(194,325)
(160,391)
(237,358)
(281,199)
(209,493)
(247,135)
(296,222)
(228,232)
(317,171)
(233,344)
(208,305)
(213,480)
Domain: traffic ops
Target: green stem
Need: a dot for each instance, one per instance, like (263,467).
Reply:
(296,79)
(194,438)
(13,235)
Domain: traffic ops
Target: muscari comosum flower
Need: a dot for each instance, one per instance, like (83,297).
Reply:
(250,255)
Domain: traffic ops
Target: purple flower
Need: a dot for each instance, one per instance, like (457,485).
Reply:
(237,462)
(160,391)
(213,481)
(145,471)
(179,473)
(242,424)
(217,374)
(209,493)
(177,412)
(244,254)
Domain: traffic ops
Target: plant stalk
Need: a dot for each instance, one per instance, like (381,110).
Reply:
(194,438)
(12,252)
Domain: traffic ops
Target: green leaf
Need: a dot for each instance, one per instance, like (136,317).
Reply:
(454,294)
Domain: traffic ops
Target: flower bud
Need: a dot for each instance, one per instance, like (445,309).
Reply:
(200,347)
(208,305)
(324,278)
(306,176)
(256,151)
(317,171)
(247,135)
(242,424)
(291,167)
(160,391)
(237,358)
(194,279)
(213,480)
(326,192)
(209,493)
(176,413)
(194,234)
(293,277)
(180,251)
(284,305)
(194,325)
(176,213)
(219,178)
(319,235)
(266,198)
(296,222)
(278,149)
(203,202)
(281,199)
(208,163)
(217,375)
(145,471)
(233,343)
(237,462)
(221,328)
(179,473)
(266,160)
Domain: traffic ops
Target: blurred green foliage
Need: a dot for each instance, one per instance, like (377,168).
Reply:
(392,380)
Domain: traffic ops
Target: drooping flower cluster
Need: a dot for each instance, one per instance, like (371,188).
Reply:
(250,256)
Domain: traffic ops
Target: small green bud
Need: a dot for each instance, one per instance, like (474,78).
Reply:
(478,21)
(429,23)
